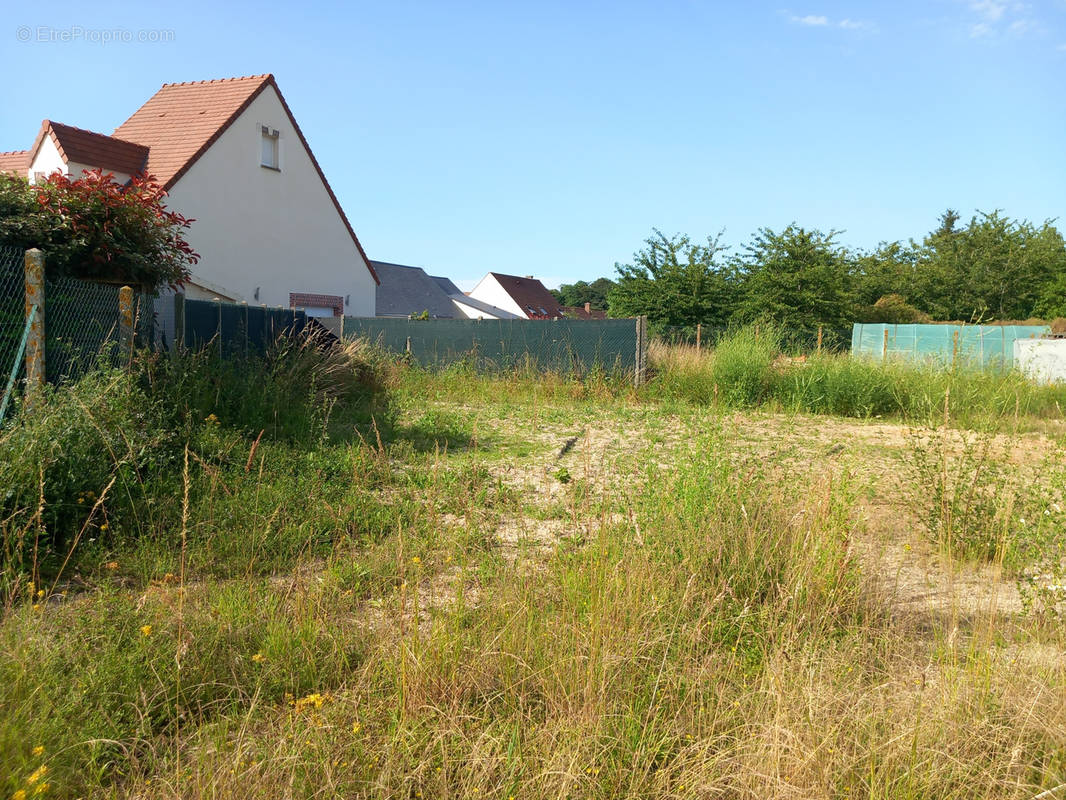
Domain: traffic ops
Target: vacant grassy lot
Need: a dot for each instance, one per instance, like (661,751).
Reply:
(543,589)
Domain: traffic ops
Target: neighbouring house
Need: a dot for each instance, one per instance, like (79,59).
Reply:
(230,155)
(470,307)
(525,297)
(406,291)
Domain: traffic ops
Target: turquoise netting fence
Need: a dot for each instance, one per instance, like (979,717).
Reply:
(975,345)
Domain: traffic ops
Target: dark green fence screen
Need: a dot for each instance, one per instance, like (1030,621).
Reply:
(235,328)
(558,345)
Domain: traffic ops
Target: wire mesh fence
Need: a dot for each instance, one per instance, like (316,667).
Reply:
(570,346)
(81,318)
(12,308)
(793,341)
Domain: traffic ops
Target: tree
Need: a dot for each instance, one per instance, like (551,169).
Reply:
(799,278)
(995,267)
(92,227)
(674,281)
(581,292)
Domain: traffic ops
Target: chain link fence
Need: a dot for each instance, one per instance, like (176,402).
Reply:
(81,318)
(12,308)
(569,346)
(794,341)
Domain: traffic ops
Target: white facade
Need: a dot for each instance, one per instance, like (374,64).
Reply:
(49,160)
(489,290)
(264,233)
(1042,360)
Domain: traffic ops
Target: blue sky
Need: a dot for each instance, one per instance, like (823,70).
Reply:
(549,138)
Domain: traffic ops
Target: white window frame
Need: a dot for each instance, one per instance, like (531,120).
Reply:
(268,134)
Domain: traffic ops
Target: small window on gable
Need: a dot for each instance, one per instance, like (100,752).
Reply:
(269,147)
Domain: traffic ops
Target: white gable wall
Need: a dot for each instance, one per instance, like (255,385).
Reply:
(48,160)
(490,291)
(275,230)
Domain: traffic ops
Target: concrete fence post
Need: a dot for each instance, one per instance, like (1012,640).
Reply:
(640,357)
(35,353)
(125,322)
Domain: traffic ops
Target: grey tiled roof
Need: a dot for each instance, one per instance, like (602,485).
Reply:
(404,291)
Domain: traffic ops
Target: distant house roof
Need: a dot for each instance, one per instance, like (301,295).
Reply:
(530,295)
(458,296)
(15,161)
(405,290)
(584,312)
(93,149)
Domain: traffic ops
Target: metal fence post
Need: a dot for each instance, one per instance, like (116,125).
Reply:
(125,321)
(35,353)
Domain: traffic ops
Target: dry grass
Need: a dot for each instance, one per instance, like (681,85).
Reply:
(681,605)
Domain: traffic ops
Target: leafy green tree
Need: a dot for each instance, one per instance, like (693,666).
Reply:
(993,268)
(891,269)
(674,282)
(581,292)
(799,278)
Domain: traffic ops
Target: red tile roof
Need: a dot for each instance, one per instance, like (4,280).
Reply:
(530,293)
(93,149)
(580,312)
(15,162)
(182,120)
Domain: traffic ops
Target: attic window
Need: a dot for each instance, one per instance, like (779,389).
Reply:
(269,148)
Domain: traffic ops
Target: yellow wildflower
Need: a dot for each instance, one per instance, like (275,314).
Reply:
(356,727)
(416,560)
(258,658)
(146,630)
(104,527)
(37,774)
(111,565)
(42,788)
(36,606)
(20,794)
(40,592)
(38,750)
(211,419)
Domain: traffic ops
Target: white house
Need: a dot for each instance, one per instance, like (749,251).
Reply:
(268,227)
(525,297)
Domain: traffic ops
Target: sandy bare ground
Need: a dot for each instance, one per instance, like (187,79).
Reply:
(889,539)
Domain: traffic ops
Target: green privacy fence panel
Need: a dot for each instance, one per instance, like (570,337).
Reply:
(81,318)
(12,306)
(792,340)
(563,345)
(976,345)
(235,328)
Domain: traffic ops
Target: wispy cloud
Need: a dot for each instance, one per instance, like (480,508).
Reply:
(822,21)
(989,19)
(812,20)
